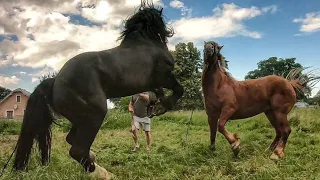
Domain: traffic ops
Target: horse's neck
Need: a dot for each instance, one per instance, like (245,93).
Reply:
(212,77)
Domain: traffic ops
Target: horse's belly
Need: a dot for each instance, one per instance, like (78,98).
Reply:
(249,111)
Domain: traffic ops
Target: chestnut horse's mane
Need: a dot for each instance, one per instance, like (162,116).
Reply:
(223,66)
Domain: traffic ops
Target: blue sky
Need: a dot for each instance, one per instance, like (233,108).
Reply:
(40,37)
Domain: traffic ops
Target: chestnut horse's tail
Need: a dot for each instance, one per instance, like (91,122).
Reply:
(302,83)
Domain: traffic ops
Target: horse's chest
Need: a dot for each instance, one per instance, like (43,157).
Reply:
(212,103)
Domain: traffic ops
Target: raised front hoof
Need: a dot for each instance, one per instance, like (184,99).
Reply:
(101,173)
(235,147)
(158,110)
(212,147)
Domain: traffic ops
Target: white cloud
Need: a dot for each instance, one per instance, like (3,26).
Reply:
(226,21)
(272,9)
(8,81)
(309,24)
(34,79)
(176,4)
(47,37)
(185,11)
(22,73)
(4,63)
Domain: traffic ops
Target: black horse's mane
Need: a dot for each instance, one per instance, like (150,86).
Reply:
(148,24)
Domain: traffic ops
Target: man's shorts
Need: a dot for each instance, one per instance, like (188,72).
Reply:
(144,122)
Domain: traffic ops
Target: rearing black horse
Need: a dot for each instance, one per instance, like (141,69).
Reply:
(79,92)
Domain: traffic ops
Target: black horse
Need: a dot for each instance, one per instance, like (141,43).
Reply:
(80,90)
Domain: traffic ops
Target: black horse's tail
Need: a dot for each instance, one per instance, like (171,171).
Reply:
(36,125)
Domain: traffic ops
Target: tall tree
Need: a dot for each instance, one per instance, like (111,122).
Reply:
(187,70)
(4,92)
(275,66)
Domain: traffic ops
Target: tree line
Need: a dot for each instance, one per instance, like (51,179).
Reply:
(188,69)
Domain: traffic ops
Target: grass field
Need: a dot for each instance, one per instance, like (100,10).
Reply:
(175,156)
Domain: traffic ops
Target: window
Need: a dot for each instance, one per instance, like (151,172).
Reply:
(9,114)
(18,99)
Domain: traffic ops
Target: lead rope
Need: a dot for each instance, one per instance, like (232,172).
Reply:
(188,127)
(5,166)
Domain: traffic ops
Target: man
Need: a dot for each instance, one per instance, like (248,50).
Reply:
(138,109)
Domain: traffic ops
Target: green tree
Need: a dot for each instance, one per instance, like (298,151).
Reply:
(4,92)
(275,66)
(187,70)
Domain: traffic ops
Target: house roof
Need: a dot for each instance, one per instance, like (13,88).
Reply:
(23,91)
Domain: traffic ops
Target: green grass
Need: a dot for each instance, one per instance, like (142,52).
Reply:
(175,157)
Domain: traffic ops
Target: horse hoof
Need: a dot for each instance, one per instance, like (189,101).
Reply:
(92,156)
(235,148)
(274,156)
(101,173)
(212,147)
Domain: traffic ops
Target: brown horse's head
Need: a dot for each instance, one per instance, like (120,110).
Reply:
(211,52)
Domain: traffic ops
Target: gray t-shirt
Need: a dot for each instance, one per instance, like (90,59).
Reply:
(139,105)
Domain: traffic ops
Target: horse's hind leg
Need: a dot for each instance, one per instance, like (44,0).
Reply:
(285,132)
(71,137)
(232,138)
(86,133)
(271,117)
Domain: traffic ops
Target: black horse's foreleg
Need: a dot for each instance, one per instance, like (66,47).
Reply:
(177,89)
(168,102)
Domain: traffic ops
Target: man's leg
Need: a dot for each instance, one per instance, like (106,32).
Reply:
(134,130)
(147,129)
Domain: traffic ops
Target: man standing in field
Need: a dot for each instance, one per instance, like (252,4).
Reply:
(138,109)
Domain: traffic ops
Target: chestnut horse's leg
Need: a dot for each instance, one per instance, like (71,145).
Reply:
(285,132)
(213,122)
(270,115)
(232,138)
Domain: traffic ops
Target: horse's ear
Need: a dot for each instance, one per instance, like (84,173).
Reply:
(220,47)
(161,11)
(205,42)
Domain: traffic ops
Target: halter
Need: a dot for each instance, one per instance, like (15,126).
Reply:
(160,37)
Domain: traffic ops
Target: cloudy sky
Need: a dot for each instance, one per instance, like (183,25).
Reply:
(37,36)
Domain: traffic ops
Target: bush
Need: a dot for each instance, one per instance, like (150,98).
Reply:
(10,127)
(117,119)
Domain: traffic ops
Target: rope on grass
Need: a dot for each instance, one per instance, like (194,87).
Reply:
(5,166)
(188,126)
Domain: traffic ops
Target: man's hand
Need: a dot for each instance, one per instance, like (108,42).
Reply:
(130,108)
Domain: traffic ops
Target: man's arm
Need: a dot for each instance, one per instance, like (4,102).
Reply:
(130,107)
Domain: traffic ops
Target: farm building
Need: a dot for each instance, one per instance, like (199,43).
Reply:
(14,104)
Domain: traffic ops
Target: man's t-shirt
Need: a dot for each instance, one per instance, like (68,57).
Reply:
(139,105)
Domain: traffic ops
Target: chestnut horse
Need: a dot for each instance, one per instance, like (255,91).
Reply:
(226,98)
